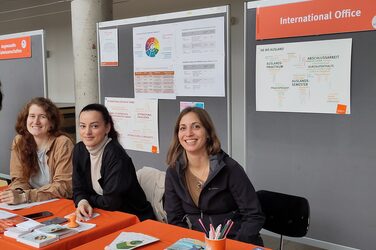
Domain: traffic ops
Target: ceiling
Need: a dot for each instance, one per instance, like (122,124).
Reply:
(11,10)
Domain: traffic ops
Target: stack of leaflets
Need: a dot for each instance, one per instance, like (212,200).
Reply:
(22,227)
(37,239)
(14,232)
(29,225)
(10,222)
(57,230)
(6,215)
(128,240)
(187,244)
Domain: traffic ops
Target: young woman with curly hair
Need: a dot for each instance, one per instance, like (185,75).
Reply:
(41,156)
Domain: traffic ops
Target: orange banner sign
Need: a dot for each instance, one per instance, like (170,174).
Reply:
(316,17)
(19,47)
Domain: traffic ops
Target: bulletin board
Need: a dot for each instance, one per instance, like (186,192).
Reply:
(327,158)
(118,81)
(22,79)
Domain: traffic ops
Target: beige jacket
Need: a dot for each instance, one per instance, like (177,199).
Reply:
(152,182)
(59,161)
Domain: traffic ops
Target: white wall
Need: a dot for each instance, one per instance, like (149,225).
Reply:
(58,42)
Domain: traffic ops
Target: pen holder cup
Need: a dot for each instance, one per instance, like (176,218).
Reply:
(211,244)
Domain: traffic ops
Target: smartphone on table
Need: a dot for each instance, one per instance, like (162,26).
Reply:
(38,215)
(55,220)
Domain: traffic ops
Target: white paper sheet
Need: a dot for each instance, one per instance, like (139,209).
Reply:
(153,57)
(24,205)
(304,76)
(200,52)
(130,241)
(82,226)
(183,58)
(108,42)
(6,215)
(136,120)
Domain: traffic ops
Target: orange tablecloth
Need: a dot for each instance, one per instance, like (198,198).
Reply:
(167,234)
(107,222)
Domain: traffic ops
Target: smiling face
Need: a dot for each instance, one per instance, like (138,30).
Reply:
(37,122)
(93,129)
(192,134)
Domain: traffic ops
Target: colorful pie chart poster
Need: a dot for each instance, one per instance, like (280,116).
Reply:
(152,47)
(180,59)
(153,56)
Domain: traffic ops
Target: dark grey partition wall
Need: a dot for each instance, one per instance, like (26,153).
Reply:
(21,80)
(118,82)
(329,159)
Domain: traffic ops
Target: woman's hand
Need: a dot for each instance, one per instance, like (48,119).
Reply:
(13,197)
(84,210)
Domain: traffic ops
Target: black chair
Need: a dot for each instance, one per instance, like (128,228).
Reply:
(287,215)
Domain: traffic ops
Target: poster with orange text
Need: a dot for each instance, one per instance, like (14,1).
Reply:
(136,121)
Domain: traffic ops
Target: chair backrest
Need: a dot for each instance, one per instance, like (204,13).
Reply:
(152,182)
(285,214)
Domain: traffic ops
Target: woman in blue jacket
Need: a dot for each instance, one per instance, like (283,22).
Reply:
(204,182)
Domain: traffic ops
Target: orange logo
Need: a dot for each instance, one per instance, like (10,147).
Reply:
(341,109)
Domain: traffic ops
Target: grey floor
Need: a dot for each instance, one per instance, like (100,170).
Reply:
(273,243)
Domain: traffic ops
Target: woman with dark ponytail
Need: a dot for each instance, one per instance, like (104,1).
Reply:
(103,173)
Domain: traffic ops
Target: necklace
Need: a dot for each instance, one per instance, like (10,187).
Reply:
(199,184)
(200,178)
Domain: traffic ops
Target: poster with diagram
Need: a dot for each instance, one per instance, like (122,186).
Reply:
(312,77)
(179,59)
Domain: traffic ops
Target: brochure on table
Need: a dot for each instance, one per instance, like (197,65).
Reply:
(129,240)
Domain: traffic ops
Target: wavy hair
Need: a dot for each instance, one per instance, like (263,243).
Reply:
(26,145)
(106,117)
(213,144)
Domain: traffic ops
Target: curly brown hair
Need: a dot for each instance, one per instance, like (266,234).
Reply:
(26,146)
(213,144)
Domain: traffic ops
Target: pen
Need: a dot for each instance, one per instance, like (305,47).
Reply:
(202,225)
(228,229)
(218,232)
(212,232)
(224,229)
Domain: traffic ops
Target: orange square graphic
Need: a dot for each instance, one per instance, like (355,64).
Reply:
(341,109)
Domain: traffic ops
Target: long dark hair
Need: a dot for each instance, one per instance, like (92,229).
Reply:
(26,145)
(106,117)
(213,144)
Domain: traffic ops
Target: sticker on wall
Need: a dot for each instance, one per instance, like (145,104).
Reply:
(184,105)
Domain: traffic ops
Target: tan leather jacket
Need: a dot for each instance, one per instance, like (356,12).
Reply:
(59,161)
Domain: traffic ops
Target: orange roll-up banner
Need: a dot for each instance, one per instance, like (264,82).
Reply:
(315,17)
(19,47)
